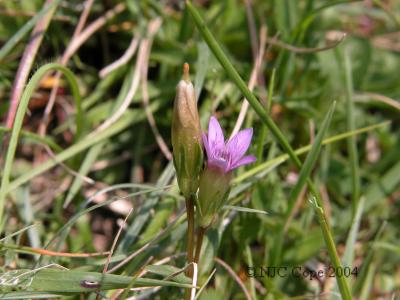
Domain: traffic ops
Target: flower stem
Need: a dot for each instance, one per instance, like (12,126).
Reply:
(190,232)
(200,235)
(190,238)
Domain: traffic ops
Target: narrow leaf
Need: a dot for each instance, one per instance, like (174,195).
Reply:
(59,281)
(245,209)
(311,158)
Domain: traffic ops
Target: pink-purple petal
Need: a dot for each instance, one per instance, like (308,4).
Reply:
(219,163)
(238,145)
(215,135)
(206,146)
(243,161)
(230,156)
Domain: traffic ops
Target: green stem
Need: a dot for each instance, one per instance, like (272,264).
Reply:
(200,236)
(259,109)
(190,232)
(190,238)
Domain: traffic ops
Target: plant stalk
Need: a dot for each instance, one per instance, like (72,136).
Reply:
(200,236)
(190,232)
(190,239)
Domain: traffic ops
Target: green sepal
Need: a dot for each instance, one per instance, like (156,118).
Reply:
(214,187)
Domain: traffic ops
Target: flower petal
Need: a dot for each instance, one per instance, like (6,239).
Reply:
(238,145)
(243,161)
(215,135)
(219,163)
(206,146)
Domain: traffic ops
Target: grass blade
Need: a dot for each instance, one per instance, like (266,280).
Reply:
(310,160)
(304,174)
(284,157)
(22,108)
(25,29)
(29,295)
(348,255)
(36,138)
(73,150)
(245,209)
(60,281)
(94,151)
(351,141)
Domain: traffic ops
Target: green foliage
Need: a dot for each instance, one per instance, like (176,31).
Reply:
(57,208)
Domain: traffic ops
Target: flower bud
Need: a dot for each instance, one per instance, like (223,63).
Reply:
(213,193)
(186,136)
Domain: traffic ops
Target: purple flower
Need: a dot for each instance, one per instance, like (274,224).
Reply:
(229,156)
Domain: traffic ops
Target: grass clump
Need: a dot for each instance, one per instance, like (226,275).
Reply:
(89,203)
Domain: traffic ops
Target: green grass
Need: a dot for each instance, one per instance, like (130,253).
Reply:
(341,211)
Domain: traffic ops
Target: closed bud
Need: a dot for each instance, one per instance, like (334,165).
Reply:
(186,136)
(213,193)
